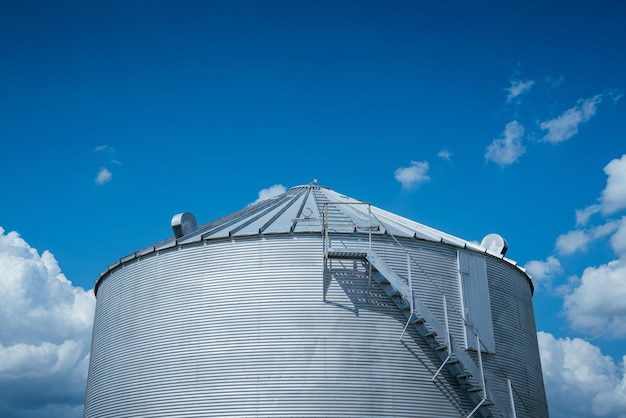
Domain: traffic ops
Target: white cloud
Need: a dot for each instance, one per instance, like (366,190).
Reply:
(411,177)
(608,228)
(45,334)
(517,88)
(580,381)
(445,154)
(597,306)
(105,147)
(583,215)
(270,192)
(618,240)
(103,176)
(578,239)
(566,125)
(543,271)
(614,195)
(572,242)
(612,199)
(508,148)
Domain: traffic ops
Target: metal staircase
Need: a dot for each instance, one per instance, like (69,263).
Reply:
(454,357)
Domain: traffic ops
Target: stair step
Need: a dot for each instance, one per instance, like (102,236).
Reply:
(404,305)
(350,255)
(475,389)
(390,290)
(430,334)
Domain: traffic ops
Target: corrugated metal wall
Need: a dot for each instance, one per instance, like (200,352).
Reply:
(239,328)
(516,339)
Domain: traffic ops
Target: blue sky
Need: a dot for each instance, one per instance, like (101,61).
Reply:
(471,118)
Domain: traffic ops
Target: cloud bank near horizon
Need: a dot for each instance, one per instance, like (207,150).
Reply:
(46,334)
(580,380)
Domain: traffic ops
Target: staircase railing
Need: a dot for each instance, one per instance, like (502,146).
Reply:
(419,313)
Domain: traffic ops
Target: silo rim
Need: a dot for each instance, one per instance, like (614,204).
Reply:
(281,214)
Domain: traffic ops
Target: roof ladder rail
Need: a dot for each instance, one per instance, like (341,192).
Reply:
(345,254)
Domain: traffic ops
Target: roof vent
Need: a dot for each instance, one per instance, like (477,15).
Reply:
(183,224)
(495,243)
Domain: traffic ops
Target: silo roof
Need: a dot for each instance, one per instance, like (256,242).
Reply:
(308,209)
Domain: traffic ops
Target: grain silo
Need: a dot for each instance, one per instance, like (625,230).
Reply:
(315,304)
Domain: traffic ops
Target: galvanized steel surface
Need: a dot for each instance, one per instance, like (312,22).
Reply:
(230,321)
(238,328)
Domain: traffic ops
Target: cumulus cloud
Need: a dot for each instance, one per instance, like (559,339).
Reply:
(597,306)
(572,242)
(270,192)
(414,175)
(583,215)
(618,240)
(445,154)
(45,334)
(107,155)
(612,199)
(614,195)
(566,125)
(103,176)
(608,228)
(518,88)
(578,239)
(508,148)
(580,381)
(543,271)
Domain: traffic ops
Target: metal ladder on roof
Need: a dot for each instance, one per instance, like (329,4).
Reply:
(471,377)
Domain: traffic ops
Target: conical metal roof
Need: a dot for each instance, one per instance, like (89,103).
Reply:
(305,209)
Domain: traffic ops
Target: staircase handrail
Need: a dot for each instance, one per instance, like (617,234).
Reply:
(459,352)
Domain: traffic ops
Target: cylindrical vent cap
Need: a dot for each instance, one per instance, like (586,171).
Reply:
(183,224)
(495,243)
